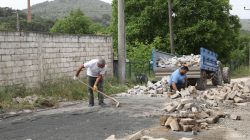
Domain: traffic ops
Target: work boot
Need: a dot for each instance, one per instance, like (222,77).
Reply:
(102,104)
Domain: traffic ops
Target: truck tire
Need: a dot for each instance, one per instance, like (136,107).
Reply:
(192,82)
(217,77)
(226,75)
(202,81)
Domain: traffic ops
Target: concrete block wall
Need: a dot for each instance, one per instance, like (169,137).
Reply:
(31,58)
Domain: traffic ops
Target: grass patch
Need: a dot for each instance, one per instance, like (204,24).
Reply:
(243,71)
(52,92)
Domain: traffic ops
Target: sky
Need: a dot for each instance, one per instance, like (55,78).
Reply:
(238,6)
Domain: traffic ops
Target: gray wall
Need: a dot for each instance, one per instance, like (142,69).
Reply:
(31,58)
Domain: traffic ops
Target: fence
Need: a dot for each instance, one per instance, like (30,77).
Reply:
(134,67)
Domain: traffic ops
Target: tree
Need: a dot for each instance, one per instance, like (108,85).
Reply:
(8,21)
(75,23)
(199,23)
(145,20)
(202,23)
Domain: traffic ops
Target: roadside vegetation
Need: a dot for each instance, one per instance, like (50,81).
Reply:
(243,71)
(49,94)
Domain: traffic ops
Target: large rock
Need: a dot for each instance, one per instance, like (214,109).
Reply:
(202,115)
(235,117)
(212,119)
(112,137)
(185,93)
(174,125)
(174,96)
(169,120)
(187,100)
(238,100)
(163,120)
(188,121)
(246,89)
(192,89)
(187,128)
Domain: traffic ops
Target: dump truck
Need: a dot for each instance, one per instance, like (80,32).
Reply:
(209,67)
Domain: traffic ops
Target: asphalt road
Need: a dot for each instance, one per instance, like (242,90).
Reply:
(79,122)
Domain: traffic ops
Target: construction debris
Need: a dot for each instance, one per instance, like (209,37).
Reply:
(190,110)
(189,60)
(158,88)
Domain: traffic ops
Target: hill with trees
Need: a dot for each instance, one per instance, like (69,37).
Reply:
(97,10)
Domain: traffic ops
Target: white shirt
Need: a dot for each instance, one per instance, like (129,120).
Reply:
(92,69)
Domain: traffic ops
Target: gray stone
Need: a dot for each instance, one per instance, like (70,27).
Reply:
(152,92)
(180,107)
(188,106)
(212,119)
(174,125)
(202,115)
(112,137)
(188,121)
(246,89)
(159,91)
(169,120)
(228,101)
(192,89)
(187,100)
(187,128)
(174,96)
(212,103)
(163,120)
(235,117)
(238,100)
(194,109)
(204,125)
(170,108)
(184,93)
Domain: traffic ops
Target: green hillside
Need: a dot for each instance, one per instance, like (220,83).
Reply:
(245,24)
(95,9)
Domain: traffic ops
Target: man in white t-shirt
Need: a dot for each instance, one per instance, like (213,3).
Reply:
(95,72)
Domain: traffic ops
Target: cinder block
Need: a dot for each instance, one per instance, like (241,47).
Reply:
(6,58)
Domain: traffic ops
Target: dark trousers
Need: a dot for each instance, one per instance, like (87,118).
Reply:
(179,87)
(91,82)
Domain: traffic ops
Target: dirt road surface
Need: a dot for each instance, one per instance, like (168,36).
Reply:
(80,122)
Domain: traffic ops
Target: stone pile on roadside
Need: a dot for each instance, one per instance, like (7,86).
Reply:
(193,110)
(152,89)
(28,99)
(35,100)
(189,60)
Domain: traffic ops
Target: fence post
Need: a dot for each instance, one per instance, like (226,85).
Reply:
(149,68)
(129,69)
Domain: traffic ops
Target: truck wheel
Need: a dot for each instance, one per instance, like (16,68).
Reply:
(202,81)
(192,82)
(226,75)
(217,77)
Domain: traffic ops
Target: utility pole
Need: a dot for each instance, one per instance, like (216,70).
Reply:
(171,27)
(248,46)
(17,22)
(121,42)
(29,18)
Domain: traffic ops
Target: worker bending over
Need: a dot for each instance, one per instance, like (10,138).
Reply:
(95,72)
(178,79)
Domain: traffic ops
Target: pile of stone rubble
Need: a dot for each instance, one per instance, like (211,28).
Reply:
(152,89)
(190,60)
(192,110)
